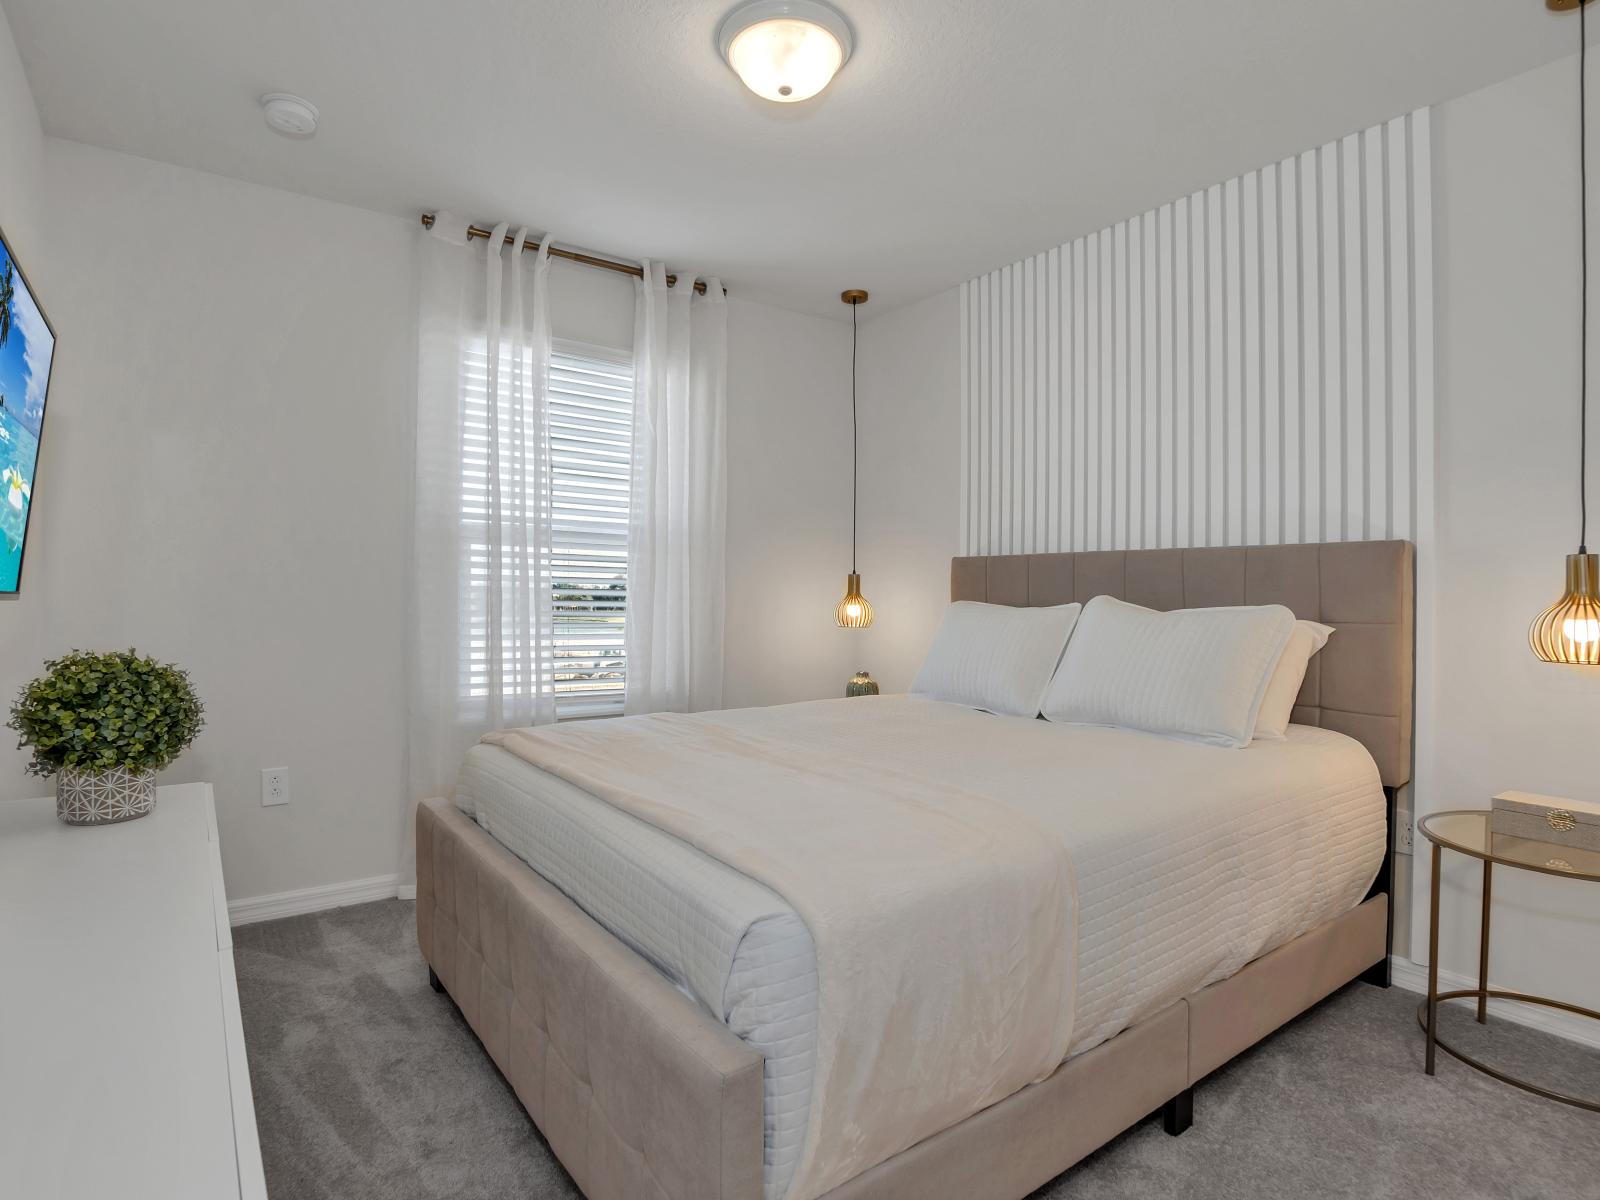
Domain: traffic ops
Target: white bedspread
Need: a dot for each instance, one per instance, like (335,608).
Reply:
(942,916)
(1190,862)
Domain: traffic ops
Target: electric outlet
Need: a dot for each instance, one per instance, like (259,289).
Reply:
(1404,832)
(274,785)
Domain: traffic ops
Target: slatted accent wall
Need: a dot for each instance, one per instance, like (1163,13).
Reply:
(1252,364)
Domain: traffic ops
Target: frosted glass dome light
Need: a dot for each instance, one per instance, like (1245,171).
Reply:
(785,50)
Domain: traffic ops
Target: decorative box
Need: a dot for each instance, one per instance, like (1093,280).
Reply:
(1547,819)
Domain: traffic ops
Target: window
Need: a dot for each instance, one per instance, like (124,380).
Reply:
(591,449)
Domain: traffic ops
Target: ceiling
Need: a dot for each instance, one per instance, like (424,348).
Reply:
(963,134)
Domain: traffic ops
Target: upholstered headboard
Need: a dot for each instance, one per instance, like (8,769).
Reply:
(1361,682)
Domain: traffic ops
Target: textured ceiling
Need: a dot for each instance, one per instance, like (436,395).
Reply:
(962,135)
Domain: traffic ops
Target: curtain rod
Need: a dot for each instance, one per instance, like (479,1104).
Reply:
(588,260)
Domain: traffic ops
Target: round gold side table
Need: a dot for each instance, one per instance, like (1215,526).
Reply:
(1468,832)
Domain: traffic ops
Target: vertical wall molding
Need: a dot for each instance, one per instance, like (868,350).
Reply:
(1251,364)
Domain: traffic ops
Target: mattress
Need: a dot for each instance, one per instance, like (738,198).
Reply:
(1178,885)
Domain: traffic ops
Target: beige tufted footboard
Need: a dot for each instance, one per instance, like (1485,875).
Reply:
(640,1093)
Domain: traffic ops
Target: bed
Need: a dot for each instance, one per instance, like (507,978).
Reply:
(662,1030)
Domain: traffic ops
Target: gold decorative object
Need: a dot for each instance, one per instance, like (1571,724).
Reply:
(1550,819)
(861,684)
(1569,630)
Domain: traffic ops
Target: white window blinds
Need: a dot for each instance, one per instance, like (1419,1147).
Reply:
(591,447)
(591,436)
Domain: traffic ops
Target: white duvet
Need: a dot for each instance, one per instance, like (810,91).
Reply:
(1189,862)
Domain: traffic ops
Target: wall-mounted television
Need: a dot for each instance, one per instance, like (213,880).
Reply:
(27,346)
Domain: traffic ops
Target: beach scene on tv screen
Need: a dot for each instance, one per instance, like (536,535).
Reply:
(26,345)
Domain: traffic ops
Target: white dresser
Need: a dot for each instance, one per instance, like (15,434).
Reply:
(122,1065)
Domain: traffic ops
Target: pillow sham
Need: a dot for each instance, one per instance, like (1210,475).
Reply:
(1193,673)
(995,657)
(1283,689)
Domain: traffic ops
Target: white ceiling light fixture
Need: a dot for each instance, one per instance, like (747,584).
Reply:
(289,115)
(785,50)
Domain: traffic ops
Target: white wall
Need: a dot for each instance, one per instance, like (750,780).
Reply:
(225,483)
(788,507)
(910,490)
(22,147)
(1506,497)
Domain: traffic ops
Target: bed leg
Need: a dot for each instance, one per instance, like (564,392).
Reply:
(433,982)
(1377,974)
(1177,1114)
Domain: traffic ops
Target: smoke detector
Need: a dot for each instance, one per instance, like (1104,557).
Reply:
(289,115)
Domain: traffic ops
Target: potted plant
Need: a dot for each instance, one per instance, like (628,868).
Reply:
(103,724)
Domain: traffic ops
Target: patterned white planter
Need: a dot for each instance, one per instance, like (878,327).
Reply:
(84,798)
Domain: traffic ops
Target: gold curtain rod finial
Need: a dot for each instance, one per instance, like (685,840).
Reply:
(853,296)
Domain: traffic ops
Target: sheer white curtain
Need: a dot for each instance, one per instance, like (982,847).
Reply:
(481,625)
(678,514)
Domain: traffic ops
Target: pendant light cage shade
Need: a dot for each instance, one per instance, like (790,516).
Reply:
(854,612)
(1569,630)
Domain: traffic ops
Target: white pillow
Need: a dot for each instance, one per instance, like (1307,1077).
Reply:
(995,657)
(1194,673)
(1284,686)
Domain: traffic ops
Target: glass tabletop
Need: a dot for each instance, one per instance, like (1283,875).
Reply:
(1468,832)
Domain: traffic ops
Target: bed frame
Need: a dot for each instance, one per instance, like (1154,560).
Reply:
(643,1094)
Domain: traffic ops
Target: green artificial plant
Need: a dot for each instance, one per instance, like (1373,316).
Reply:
(94,712)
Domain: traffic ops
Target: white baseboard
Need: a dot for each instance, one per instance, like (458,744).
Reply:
(314,899)
(407,891)
(1414,978)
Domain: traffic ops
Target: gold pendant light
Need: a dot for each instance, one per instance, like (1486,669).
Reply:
(1569,630)
(853,612)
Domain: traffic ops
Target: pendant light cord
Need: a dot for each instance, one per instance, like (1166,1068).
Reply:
(855,437)
(1583,304)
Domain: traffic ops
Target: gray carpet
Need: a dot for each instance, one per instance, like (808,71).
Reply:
(368,1085)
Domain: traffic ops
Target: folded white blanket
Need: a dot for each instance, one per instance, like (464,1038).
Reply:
(944,919)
